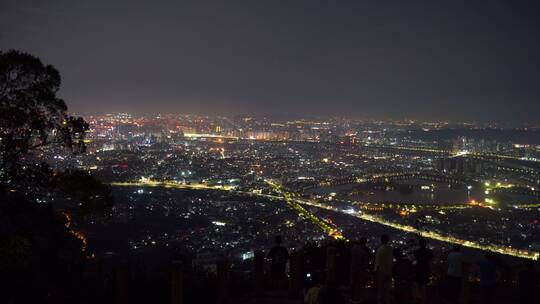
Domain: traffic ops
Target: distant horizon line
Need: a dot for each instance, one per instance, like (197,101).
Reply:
(311,116)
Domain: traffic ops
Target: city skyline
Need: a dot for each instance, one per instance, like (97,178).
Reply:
(441,123)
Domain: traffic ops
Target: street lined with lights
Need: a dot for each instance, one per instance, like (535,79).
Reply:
(298,204)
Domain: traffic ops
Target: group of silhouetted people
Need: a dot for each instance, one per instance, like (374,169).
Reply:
(489,275)
(398,280)
(388,265)
(411,280)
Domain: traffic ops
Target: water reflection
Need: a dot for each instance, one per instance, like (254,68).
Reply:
(417,193)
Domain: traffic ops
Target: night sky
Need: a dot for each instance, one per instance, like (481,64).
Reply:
(456,60)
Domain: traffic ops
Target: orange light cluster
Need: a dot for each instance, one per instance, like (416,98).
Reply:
(478,204)
(78,234)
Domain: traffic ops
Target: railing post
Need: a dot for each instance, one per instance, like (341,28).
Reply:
(100,279)
(297,278)
(177,282)
(331,274)
(222,281)
(122,283)
(258,272)
(465,295)
(99,270)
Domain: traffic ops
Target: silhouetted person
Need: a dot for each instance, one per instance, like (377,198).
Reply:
(528,284)
(330,294)
(403,274)
(313,294)
(383,270)
(488,277)
(279,257)
(423,257)
(455,273)
(360,258)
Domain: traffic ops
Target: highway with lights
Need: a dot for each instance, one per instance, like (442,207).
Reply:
(330,229)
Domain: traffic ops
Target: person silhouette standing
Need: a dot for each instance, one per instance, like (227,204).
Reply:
(488,277)
(423,257)
(528,284)
(383,270)
(360,259)
(403,274)
(455,273)
(278,256)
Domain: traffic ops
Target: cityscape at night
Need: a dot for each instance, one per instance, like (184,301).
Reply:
(270,152)
(480,193)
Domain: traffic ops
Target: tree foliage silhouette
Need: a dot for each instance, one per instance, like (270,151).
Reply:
(92,197)
(39,246)
(31,114)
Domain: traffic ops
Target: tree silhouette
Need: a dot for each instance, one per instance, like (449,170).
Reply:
(40,248)
(31,115)
(91,196)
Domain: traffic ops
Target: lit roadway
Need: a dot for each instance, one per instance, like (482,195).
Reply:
(321,223)
(297,205)
(166,184)
(293,203)
(429,234)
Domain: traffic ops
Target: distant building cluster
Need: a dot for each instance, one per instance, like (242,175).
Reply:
(218,184)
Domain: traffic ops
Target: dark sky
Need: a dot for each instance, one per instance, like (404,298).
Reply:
(457,60)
